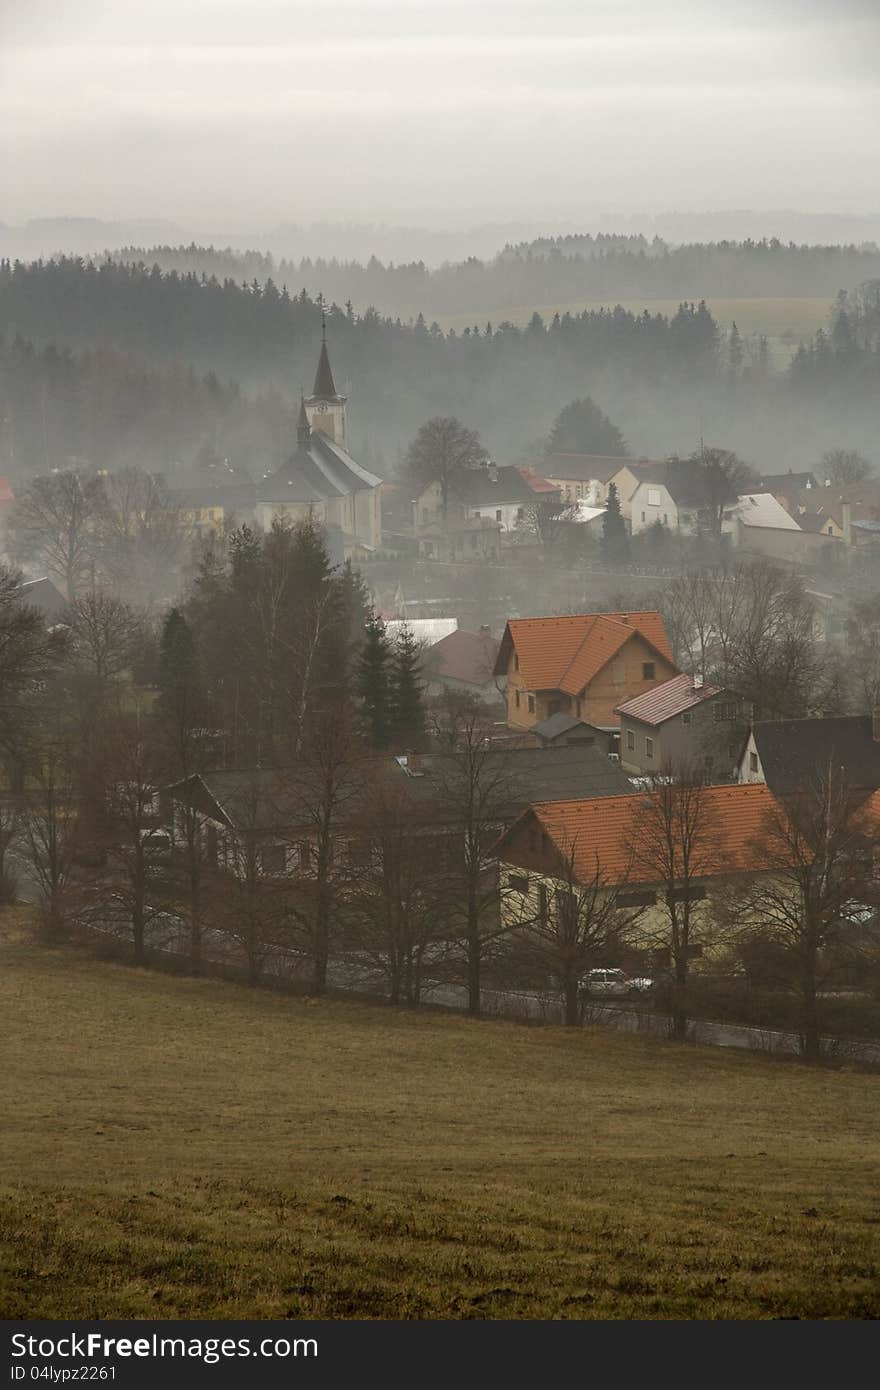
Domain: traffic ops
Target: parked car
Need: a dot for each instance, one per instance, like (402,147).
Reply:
(615,984)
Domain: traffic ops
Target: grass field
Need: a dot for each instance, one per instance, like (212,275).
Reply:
(182,1148)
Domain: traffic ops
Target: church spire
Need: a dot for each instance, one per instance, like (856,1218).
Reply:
(325,387)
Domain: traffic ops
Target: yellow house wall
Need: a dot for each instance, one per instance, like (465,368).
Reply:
(620,679)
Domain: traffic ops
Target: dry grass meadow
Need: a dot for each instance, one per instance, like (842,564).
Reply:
(179,1148)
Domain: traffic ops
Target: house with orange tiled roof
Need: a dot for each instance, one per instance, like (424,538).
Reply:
(583,664)
(555,846)
(605,846)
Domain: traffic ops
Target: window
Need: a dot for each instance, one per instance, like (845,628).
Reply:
(520,513)
(518,883)
(694,894)
(643,516)
(497,513)
(630,739)
(647,670)
(687,716)
(653,497)
(649,748)
(273,859)
(646,899)
(724,710)
(531,704)
(665,518)
(753,762)
(517,699)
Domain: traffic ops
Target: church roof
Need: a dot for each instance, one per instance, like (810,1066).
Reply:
(317,471)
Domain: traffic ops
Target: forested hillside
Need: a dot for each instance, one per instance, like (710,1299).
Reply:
(551,270)
(131,347)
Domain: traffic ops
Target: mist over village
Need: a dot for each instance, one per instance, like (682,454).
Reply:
(439,670)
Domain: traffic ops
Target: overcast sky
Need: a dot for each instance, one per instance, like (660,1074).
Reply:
(233,115)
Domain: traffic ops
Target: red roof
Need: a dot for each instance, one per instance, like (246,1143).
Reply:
(463,656)
(536,482)
(565,653)
(667,700)
(607,827)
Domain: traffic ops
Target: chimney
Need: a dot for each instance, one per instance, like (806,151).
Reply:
(485,630)
(492,470)
(698,682)
(875,723)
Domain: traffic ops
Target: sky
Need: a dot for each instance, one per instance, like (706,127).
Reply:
(225,115)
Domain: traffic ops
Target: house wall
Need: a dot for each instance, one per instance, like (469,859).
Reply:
(619,680)
(523,858)
(676,741)
(591,490)
(644,512)
(750,769)
(793,546)
(626,483)
(507,514)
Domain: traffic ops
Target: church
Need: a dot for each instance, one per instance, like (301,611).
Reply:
(321,481)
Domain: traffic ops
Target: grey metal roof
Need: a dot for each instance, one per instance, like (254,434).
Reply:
(795,751)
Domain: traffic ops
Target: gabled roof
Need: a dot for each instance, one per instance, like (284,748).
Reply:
(581,468)
(667,700)
(463,656)
(761,509)
(609,830)
(683,479)
(316,472)
(487,487)
(426,630)
(43,595)
(794,751)
(533,480)
(565,653)
(787,482)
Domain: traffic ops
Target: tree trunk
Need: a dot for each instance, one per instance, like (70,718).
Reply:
(811,1045)
(473,951)
(679,1003)
(571,1002)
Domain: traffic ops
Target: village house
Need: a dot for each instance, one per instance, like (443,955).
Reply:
(260,816)
(579,477)
(555,847)
(320,481)
(464,662)
(685,721)
(584,665)
(490,493)
(789,754)
(463,540)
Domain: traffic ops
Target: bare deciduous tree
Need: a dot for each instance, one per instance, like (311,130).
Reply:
(817,855)
(56,520)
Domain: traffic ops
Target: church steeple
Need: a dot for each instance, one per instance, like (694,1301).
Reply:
(325,387)
(325,407)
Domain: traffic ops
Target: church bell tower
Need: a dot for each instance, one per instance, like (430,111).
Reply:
(325,407)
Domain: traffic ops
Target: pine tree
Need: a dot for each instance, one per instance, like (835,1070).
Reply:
(615,542)
(177,662)
(407,690)
(375,681)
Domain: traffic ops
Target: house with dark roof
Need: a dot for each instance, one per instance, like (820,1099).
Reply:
(266,811)
(788,754)
(567,731)
(583,664)
(672,493)
(490,493)
(320,480)
(685,720)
